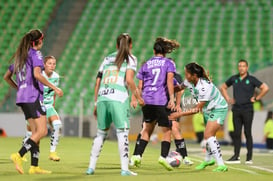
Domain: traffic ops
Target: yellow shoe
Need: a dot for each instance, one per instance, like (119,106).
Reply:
(53,156)
(17,160)
(38,170)
(24,158)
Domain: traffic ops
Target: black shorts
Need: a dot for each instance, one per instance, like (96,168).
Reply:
(32,110)
(153,113)
(169,112)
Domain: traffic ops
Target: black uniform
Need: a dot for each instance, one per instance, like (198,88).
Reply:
(243,90)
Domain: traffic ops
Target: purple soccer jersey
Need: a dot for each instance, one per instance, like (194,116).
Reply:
(153,73)
(29,89)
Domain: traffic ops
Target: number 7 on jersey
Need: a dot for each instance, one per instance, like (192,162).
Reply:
(155,72)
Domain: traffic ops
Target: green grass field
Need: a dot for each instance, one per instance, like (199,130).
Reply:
(75,152)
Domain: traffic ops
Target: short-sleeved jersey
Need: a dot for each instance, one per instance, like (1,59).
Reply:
(48,92)
(153,73)
(28,87)
(208,92)
(243,90)
(113,86)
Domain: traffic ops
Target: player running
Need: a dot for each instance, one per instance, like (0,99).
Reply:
(28,65)
(156,82)
(214,108)
(112,101)
(49,102)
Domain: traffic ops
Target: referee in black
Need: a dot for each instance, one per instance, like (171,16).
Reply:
(242,107)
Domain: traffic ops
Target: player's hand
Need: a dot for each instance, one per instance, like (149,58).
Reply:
(178,108)
(253,99)
(133,104)
(174,116)
(171,105)
(141,102)
(95,112)
(231,101)
(59,92)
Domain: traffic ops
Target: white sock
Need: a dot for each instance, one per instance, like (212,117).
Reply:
(55,135)
(96,148)
(208,152)
(215,150)
(123,145)
(27,136)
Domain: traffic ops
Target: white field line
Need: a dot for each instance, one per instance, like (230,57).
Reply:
(262,168)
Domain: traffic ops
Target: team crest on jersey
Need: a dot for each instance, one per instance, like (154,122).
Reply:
(247,81)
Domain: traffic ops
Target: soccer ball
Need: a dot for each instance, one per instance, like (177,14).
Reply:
(174,159)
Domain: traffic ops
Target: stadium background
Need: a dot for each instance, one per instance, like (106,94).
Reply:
(214,33)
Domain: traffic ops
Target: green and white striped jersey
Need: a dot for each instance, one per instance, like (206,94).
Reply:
(113,86)
(208,92)
(48,92)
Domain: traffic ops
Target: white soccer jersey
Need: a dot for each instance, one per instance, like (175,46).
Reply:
(208,92)
(113,86)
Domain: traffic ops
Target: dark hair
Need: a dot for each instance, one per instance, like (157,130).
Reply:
(163,45)
(242,60)
(123,43)
(30,39)
(269,116)
(194,68)
(48,57)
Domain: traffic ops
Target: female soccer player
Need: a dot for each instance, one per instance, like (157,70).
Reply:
(156,82)
(49,101)
(112,101)
(28,65)
(176,132)
(214,108)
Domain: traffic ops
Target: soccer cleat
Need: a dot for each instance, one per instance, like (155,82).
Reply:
(221,168)
(233,160)
(127,173)
(135,160)
(204,164)
(187,161)
(24,158)
(249,162)
(38,170)
(162,161)
(17,160)
(53,156)
(90,171)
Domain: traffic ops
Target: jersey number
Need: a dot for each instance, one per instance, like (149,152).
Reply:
(155,72)
(110,76)
(22,74)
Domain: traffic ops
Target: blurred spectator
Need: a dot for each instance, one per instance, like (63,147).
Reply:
(198,126)
(268,131)
(231,127)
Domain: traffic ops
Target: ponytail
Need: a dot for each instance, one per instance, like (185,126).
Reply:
(163,45)
(194,68)
(123,44)
(30,39)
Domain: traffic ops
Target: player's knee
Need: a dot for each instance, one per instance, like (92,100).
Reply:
(102,133)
